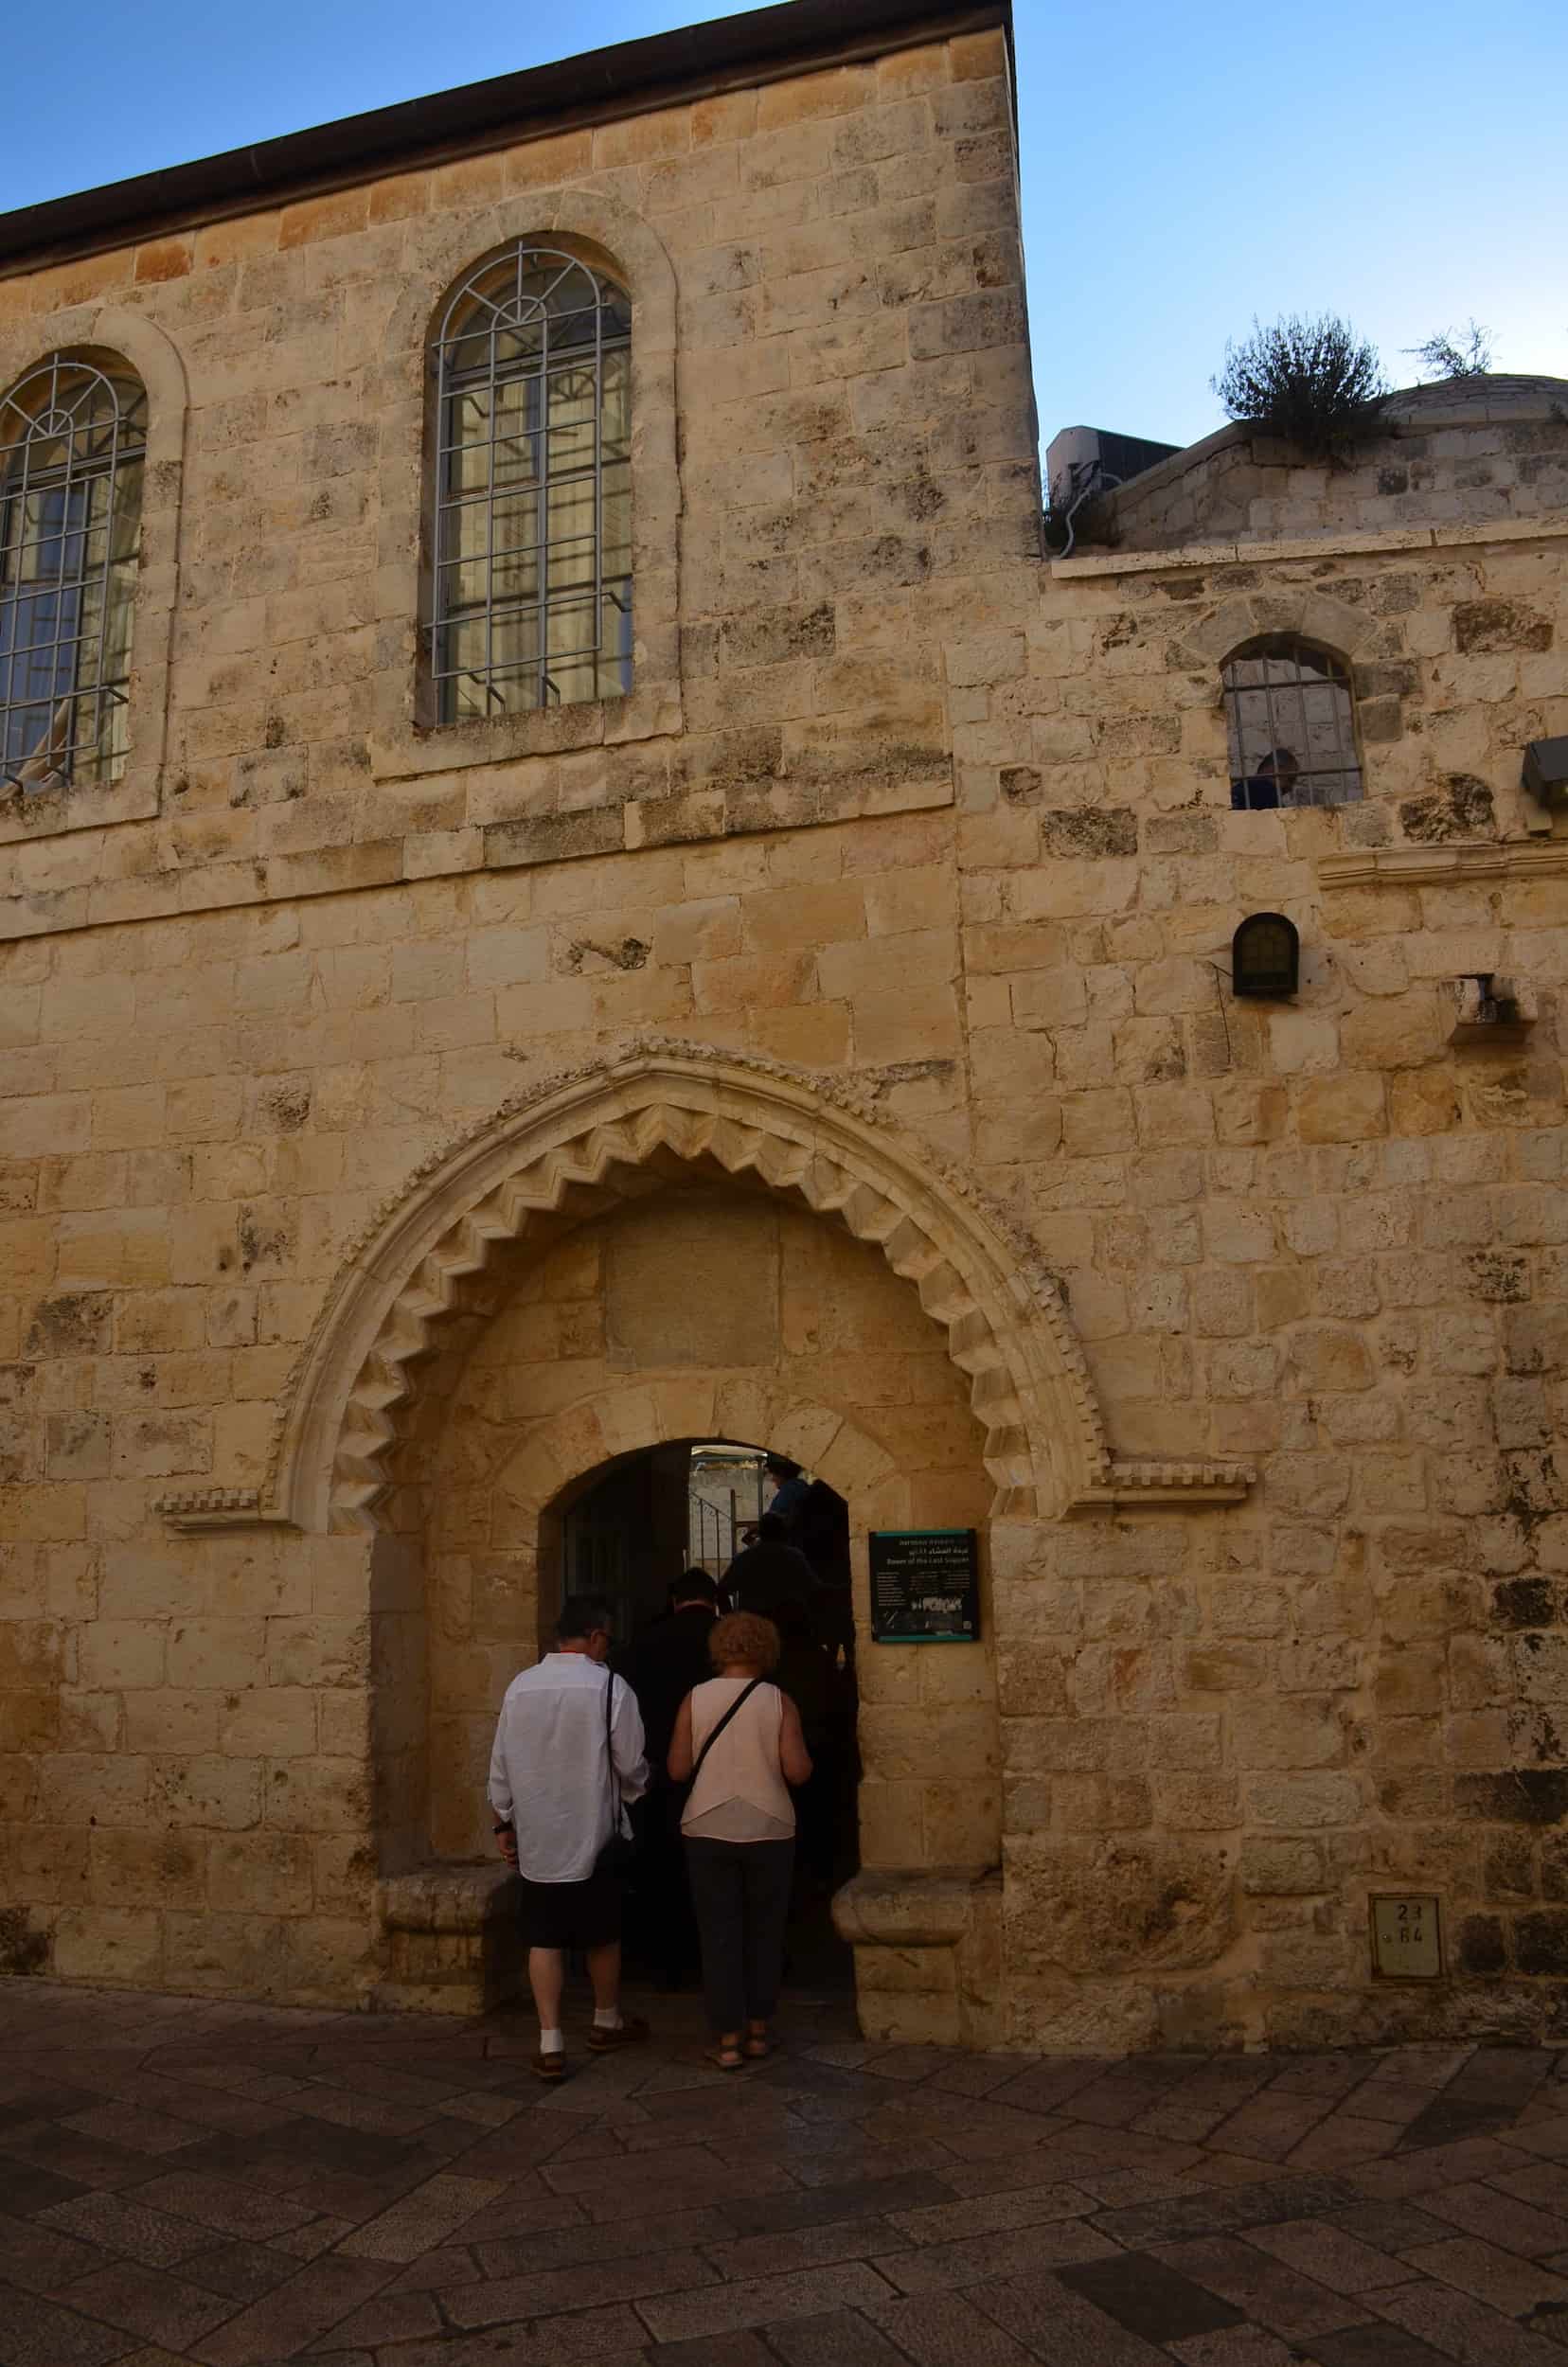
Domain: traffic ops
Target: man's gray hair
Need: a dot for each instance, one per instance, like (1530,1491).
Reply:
(583,1615)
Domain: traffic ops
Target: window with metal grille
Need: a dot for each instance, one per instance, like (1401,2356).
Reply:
(532,551)
(1292,730)
(72,442)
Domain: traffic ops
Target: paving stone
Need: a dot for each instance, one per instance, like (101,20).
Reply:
(842,2338)
(1499,2218)
(1276,2296)
(1015,2251)
(1235,2346)
(946,2330)
(42,2259)
(984,2215)
(128,2227)
(1543,2183)
(1148,2297)
(310,2242)
(1377,2345)
(149,2302)
(1548,2136)
(243,2271)
(806,2248)
(1406,2174)
(1328,2254)
(1056,2323)
(586,2241)
(421,2219)
(1461,2329)
(223,2204)
(1340,2143)
(23,2191)
(390,2317)
(496,2301)
(684,2175)
(1449,2119)
(36,2333)
(1498,2278)
(609,2338)
(294,2314)
(776,2214)
(726,2350)
(86,2161)
(758,2301)
(135,2128)
(1390,2227)
(1218,2211)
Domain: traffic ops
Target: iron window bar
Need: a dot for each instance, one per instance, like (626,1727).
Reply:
(1289,726)
(72,443)
(528,347)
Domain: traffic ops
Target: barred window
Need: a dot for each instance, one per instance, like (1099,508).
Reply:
(1292,730)
(532,553)
(73,439)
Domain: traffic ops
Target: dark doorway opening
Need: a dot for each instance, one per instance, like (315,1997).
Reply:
(629,1531)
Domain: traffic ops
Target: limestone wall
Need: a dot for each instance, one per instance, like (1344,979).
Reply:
(1468,453)
(1330,1234)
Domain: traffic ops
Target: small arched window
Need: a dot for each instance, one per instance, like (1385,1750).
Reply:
(532,546)
(73,438)
(1290,725)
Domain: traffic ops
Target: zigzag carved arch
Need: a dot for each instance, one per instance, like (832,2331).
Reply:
(426,1269)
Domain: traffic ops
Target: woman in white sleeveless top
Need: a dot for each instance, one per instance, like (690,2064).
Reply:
(739,1826)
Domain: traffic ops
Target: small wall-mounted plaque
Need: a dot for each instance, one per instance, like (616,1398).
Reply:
(925,1586)
(1407,1939)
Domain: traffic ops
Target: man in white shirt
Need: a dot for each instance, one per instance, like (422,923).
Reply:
(568,1755)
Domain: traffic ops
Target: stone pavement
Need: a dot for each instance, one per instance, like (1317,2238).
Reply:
(234,2185)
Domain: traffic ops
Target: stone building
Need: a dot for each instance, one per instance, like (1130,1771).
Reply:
(575,879)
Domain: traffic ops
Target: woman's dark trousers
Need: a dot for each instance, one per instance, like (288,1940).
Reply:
(740,1890)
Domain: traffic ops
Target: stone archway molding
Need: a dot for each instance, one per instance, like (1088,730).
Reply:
(419,1269)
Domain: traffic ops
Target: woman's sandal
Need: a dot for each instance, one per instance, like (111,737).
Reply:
(726,2058)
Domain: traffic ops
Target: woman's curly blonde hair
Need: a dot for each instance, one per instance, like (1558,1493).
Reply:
(742,1636)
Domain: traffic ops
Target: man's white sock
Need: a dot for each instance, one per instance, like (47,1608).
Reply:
(551,2042)
(607,2018)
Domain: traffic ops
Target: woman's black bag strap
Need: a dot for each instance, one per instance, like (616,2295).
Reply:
(738,1704)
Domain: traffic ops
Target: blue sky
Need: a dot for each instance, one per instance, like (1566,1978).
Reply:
(1185,167)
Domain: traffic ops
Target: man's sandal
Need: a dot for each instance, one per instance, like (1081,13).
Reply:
(726,2058)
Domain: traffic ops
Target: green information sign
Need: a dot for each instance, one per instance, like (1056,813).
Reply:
(925,1586)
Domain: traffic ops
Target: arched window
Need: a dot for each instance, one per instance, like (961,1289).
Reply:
(532,548)
(72,437)
(1291,731)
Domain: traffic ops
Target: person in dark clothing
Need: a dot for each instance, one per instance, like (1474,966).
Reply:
(770,1573)
(790,1489)
(806,1675)
(667,1660)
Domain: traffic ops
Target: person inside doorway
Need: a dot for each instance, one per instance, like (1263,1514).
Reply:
(738,1739)
(668,1659)
(790,1489)
(770,1573)
(568,1755)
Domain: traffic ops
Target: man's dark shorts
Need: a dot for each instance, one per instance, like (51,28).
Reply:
(570,1914)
